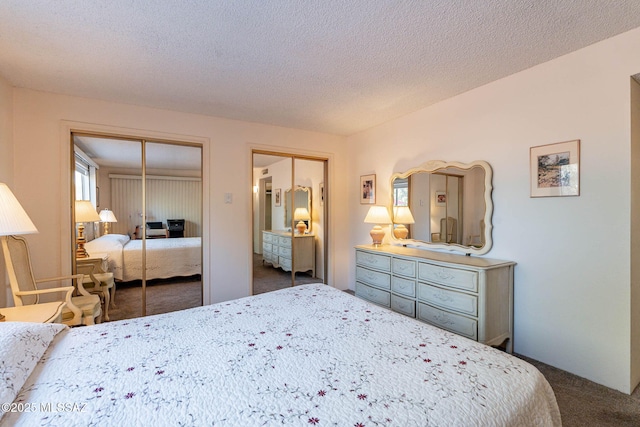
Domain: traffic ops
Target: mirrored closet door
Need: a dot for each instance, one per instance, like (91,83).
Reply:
(145,247)
(289,227)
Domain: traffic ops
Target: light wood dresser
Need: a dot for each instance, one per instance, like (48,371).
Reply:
(280,250)
(470,296)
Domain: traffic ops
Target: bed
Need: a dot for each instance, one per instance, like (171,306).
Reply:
(165,257)
(327,359)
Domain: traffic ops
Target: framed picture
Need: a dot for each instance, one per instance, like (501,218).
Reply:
(321,193)
(368,189)
(555,169)
(276,197)
(441,198)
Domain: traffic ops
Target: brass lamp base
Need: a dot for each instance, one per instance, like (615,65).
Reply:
(301,227)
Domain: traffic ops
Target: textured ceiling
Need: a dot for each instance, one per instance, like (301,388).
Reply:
(329,65)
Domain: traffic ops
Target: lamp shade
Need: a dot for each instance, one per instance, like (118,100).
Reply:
(378,215)
(402,215)
(301,214)
(13,218)
(85,212)
(107,216)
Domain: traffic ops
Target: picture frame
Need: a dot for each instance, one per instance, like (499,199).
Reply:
(277,200)
(555,169)
(368,189)
(321,193)
(441,198)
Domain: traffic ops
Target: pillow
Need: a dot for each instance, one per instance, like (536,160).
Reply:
(119,238)
(21,347)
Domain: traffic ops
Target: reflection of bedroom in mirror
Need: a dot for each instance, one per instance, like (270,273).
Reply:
(147,244)
(289,238)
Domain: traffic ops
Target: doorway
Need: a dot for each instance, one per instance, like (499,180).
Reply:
(149,236)
(290,232)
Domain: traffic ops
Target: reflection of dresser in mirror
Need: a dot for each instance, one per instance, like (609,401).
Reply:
(298,255)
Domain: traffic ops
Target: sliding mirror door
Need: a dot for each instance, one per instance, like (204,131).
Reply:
(173,227)
(289,221)
(133,182)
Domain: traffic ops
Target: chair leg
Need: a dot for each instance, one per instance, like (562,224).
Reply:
(106,304)
(113,295)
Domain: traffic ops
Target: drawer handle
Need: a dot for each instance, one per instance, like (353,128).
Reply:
(444,274)
(440,295)
(370,259)
(444,319)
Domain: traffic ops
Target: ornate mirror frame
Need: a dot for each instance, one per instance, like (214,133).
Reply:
(439,166)
(301,199)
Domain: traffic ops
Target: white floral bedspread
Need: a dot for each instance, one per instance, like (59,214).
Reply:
(305,356)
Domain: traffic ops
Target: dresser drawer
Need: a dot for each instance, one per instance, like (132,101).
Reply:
(380,262)
(449,321)
(403,286)
(403,267)
(284,241)
(267,237)
(403,305)
(452,277)
(372,294)
(285,252)
(375,278)
(445,298)
(267,247)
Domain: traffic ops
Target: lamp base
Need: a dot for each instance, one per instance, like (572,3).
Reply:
(377,234)
(1,317)
(401,232)
(301,227)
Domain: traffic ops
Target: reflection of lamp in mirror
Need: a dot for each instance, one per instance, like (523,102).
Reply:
(13,219)
(85,212)
(378,215)
(401,216)
(107,217)
(301,215)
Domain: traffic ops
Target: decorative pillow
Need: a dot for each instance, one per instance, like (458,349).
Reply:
(120,238)
(21,347)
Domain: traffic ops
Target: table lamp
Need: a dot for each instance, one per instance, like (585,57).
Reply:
(401,216)
(301,215)
(13,219)
(378,215)
(107,217)
(85,212)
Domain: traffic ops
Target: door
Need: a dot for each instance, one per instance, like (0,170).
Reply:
(143,185)
(291,248)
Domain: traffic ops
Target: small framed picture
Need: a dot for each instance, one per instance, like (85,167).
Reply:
(368,189)
(441,198)
(276,197)
(555,169)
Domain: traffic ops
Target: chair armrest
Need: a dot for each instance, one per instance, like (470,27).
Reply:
(57,279)
(46,291)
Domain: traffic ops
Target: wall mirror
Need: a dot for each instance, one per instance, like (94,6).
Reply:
(301,200)
(443,205)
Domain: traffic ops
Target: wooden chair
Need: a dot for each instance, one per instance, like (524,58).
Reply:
(78,310)
(97,281)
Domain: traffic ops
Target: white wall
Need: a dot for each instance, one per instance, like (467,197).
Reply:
(635,231)
(41,162)
(6,158)
(572,281)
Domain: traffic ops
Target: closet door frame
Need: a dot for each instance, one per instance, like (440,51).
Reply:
(326,160)
(69,129)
